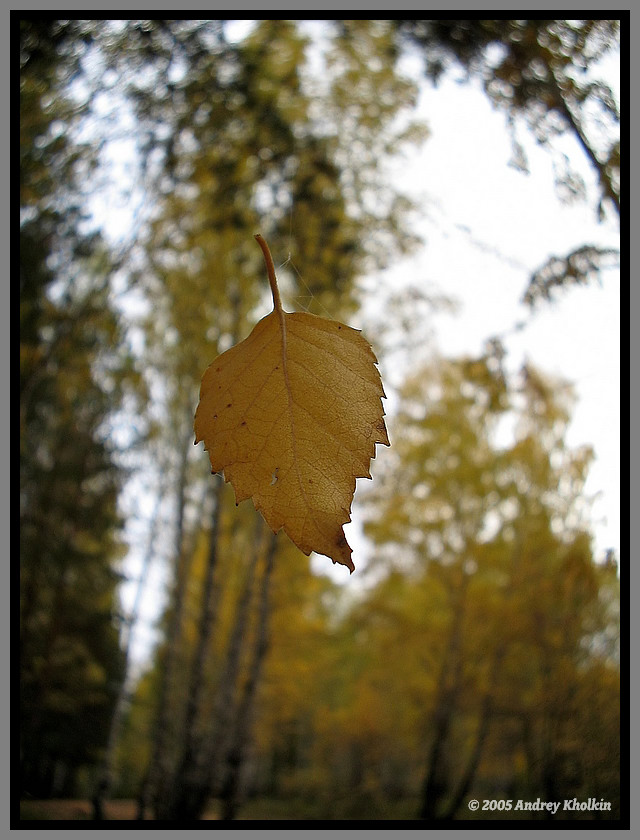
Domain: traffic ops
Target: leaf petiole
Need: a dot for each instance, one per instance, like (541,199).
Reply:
(271,271)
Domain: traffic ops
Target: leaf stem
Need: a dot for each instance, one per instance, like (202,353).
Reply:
(271,271)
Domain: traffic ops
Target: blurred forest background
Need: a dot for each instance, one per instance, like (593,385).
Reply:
(480,657)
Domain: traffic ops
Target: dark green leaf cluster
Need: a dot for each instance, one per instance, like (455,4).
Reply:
(582,266)
(70,382)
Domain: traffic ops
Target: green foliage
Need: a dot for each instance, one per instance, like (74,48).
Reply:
(70,381)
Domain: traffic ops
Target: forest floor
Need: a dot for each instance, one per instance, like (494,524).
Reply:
(81,809)
(255,809)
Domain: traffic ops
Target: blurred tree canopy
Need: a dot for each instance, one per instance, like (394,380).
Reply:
(544,72)
(538,69)
(480,657)
(73,369)
(496,537)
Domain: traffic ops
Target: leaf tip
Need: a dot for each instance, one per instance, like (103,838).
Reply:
(343,554)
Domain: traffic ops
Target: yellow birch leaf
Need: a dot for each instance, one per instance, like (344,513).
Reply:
(292,416)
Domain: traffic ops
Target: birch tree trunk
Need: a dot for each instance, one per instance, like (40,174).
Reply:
(232,791)
(435,785)
(105,773)
(205,751)
(159,763)
(486,710)
(186,798)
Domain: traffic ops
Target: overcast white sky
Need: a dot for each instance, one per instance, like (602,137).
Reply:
(473,202)
(578,335)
